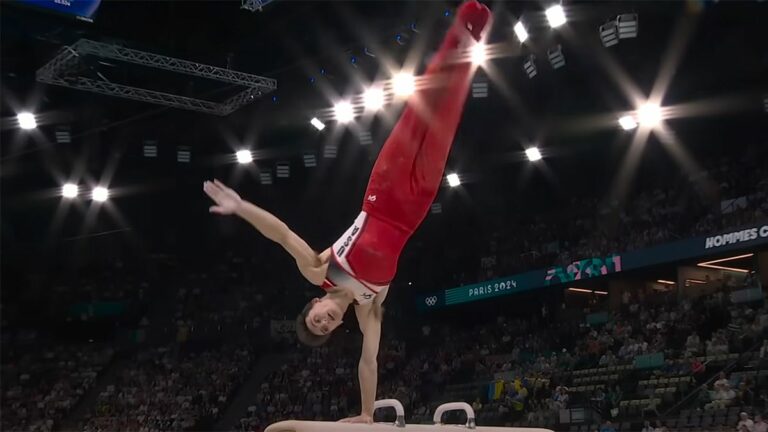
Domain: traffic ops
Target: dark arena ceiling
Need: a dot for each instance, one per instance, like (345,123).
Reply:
(705,59)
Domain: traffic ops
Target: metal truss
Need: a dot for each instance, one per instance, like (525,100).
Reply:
(64,70)
(254,5)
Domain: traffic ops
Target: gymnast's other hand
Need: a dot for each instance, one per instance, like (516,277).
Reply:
(362,418)
(227,201)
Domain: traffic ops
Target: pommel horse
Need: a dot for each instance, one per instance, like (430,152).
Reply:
(399,424)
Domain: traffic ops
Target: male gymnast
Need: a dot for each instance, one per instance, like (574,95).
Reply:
(360,265)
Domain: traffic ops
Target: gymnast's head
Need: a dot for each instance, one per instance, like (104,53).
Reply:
(318,319)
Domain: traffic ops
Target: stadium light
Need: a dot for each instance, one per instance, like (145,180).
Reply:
(310,160)
(480,89)
(26,120)
(283,170)
(649,115)
(374,99)
(580,290)
(63,135)
(556,57)
(244,156)
(100,194)
(69,191)
(711,264)
(150,149)
(529,66)
(627,25)
(627,122)
(521,32)
(453,179)
(183,154)
(265,177)
(555,16)
(317,123)
(478,53)
(403,84)
(365,137)
(344,112)
(533,154)
(609,33)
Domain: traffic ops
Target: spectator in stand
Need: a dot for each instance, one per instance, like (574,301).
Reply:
(599,402)
(614,399)
(561,398)
(607,427)
(693,344)
(760,424)
(764,351)
(718,345)
(647,427)
(745,423)
(698,369)
(722,389)
(608,359)
(477,405)
(745,394)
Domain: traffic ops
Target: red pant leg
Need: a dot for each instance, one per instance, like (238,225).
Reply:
(409,168)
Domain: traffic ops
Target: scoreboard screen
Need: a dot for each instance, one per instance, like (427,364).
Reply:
(80,9)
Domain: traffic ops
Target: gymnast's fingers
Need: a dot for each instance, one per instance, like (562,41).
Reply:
(220,184)
(212,191)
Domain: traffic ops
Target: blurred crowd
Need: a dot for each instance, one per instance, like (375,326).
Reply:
(163,390)
(42,385)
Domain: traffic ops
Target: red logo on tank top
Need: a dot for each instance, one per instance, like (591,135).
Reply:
(348,241)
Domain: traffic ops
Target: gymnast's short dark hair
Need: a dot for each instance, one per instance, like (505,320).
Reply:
(303,332)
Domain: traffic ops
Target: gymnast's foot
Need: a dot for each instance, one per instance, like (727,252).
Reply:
(474,17)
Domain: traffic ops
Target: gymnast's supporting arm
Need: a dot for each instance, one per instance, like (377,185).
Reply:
(367,369)
(369,318)
(229,202)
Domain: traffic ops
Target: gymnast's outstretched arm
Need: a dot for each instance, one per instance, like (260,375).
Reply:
(369,319)
(228,202)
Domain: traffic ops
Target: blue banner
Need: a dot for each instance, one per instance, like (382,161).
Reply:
(697,247)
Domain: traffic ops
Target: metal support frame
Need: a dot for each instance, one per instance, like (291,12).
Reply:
(63,69)
(254,5)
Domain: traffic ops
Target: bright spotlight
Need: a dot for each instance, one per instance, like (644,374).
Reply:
(374,99)
(244,156)
(69,190)
(26,120)
(317,123)
(533,154)
(555,16)
(100,194)
(627,122)
(404,84)
(453,179)
(521,32)
(649,115)
(344,112)
(478,53)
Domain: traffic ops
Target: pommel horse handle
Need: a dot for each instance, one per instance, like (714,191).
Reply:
(455,406)
(392,403)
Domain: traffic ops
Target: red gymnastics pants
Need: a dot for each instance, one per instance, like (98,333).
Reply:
(409,168)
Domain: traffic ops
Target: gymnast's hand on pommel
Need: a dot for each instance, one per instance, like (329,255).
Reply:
(227,201)
(362,418)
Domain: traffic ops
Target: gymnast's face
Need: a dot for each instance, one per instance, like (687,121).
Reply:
(324,316)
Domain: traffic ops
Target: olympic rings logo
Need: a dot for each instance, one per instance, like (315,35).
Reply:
(431,301)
